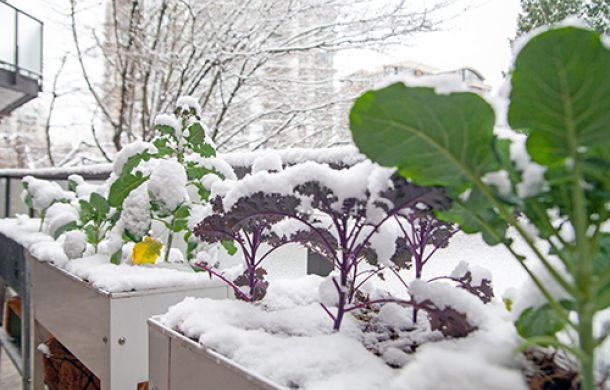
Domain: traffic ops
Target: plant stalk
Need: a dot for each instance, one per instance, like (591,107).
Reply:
(170,239)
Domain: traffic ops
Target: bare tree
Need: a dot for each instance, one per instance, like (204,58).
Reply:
(262,70)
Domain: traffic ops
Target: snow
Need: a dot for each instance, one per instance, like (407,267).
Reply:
(378,181)
(93,169)
(57,216)
(186,102)
(44,349)
(171,121)
(198,213)
(44,192)
(83,189)
(288,227)
(342,155)
(434,368)
(345,183)
(443,84)
(393,315)
(75,244)
(529,295)
(314,358)
(167,184)
(121,278)
(96,269)
(383,241)
(327,292)
(270,162)
(532,174)
(500,180)
(214,163)
(605,38)
(136,211)
(443,295)
(477,273)
(129,150)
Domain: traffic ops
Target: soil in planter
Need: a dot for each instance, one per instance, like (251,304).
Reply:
(12,319)
(63,371)
(550,372)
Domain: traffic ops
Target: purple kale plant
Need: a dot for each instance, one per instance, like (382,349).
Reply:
(245,225)
(423,236)
(341,231)
(344,230)
(354,230)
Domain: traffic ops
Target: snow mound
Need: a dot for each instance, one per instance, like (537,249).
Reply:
(128,151)
(167,184)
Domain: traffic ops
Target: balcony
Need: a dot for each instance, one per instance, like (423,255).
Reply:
(20,58)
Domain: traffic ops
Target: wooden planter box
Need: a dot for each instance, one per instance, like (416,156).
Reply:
(179,363)
(105,331)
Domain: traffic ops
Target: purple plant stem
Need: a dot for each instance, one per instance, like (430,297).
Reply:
(383,300)
(205,267)
(328,312)
(252,281)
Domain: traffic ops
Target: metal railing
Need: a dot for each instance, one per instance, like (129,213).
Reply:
(21,43)
(11,188)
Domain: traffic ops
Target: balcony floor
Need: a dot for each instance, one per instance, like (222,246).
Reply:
(9,377)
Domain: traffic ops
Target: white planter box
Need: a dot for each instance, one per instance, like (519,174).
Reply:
(179,363)
(105,331)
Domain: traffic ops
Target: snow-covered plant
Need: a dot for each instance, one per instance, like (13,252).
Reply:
(353,241)
(554,173)
(39,195)
(340,214)
(249,224)
(95,219)
(88,212)
(153,180)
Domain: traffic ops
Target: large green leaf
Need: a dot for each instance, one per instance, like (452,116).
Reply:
(196,134)
(476,214)
(134,161)
(72,225)
(100,204)
(561,94)
(433,139)
(123,186)
(86,211)
(541,321)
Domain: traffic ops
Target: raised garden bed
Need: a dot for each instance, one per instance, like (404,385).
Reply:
(105,331)
(100,316)
(287,341)
(177,362)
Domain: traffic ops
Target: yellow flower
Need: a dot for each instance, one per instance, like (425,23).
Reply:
(146,251)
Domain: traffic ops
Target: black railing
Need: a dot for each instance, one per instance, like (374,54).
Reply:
(11,188)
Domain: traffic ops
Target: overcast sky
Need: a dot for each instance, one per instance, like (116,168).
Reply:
(478,38)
